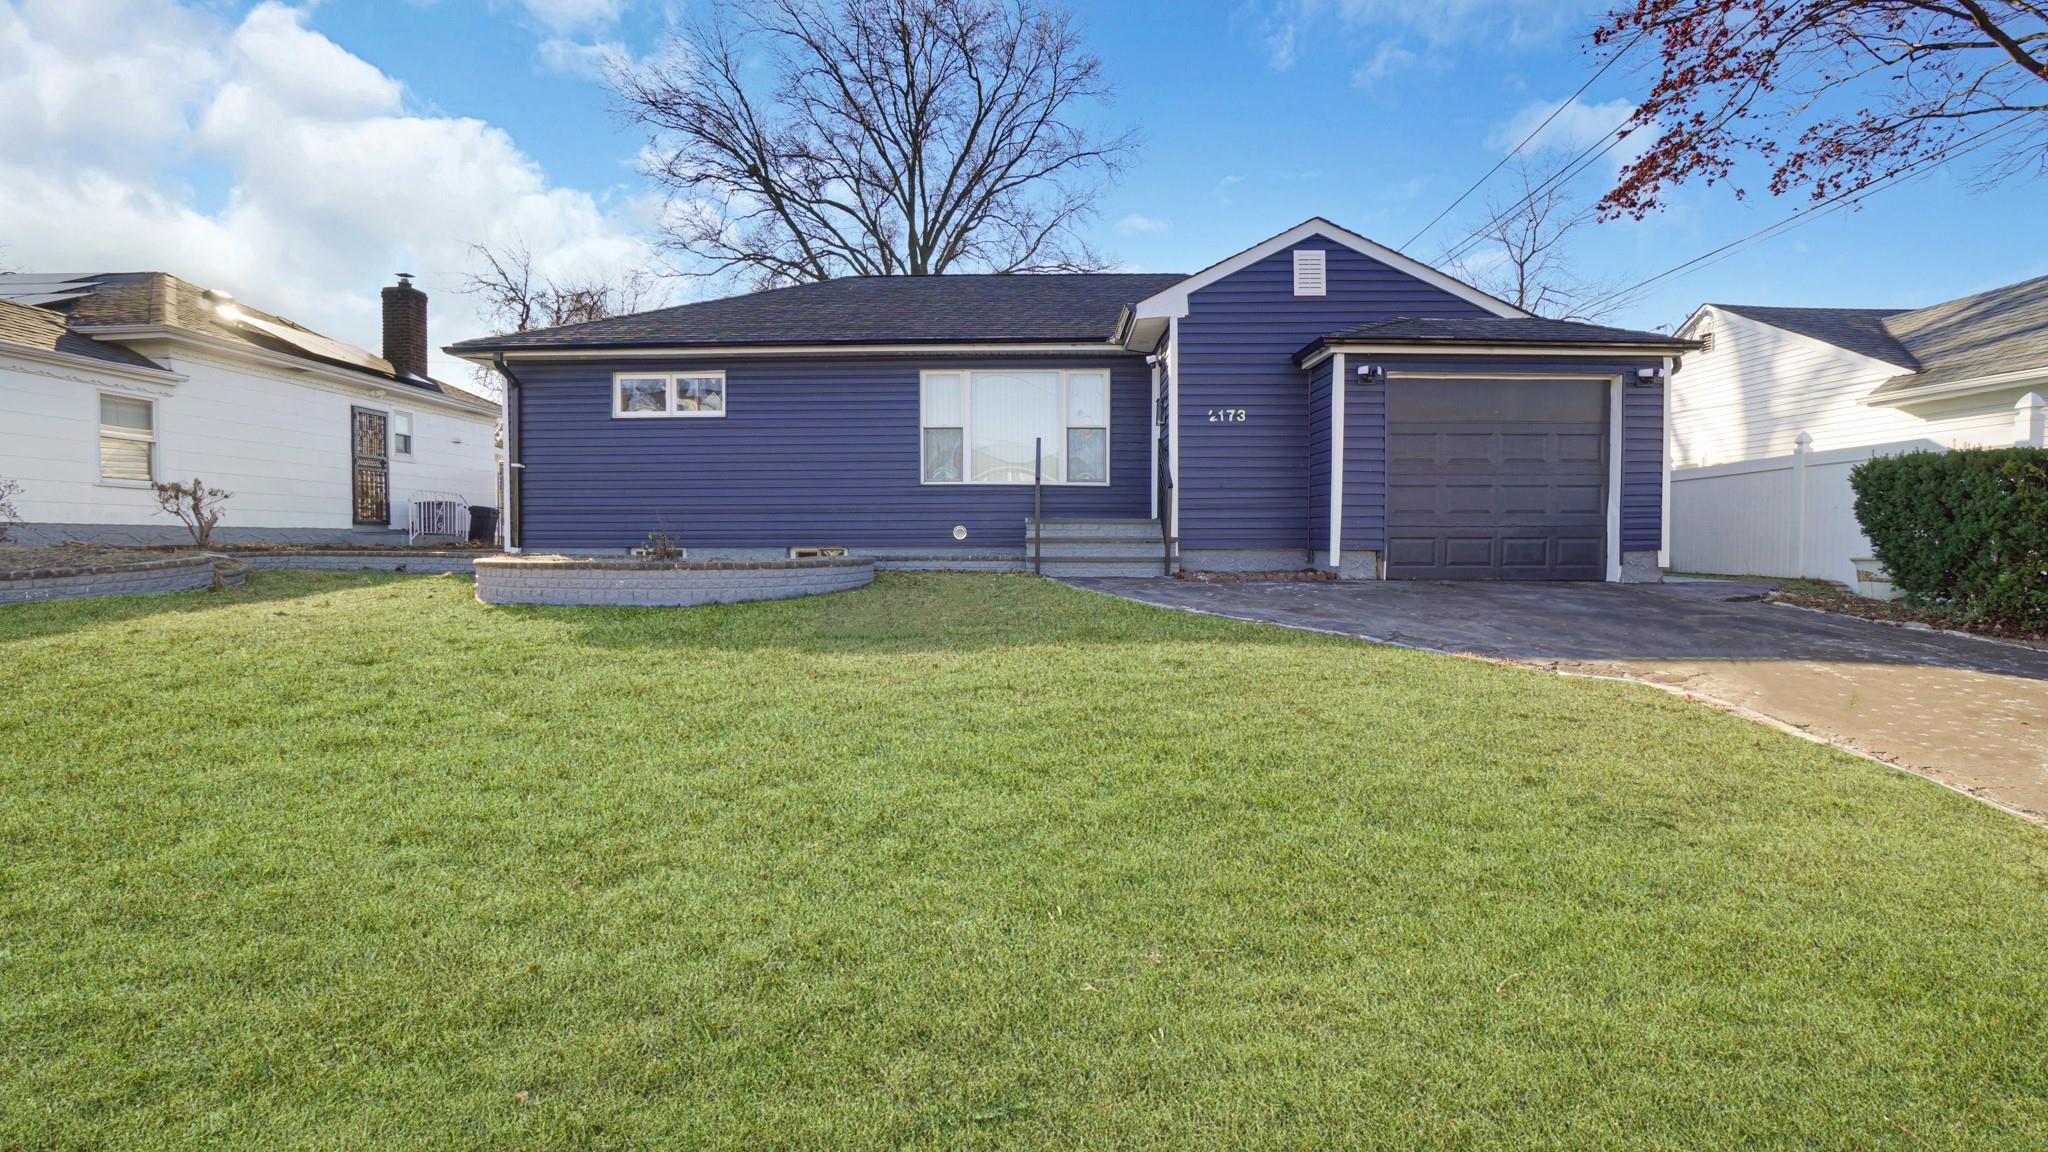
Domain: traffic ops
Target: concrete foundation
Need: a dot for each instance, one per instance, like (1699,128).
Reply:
(1244,559)
(1640,568)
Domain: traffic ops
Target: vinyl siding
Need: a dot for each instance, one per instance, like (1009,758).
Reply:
(810,452)
(279,442)
(1317,535)
(1247,485)
(1761,386)
(1641,449)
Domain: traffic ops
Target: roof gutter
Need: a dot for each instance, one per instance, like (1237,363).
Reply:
(1316,353)
(105,367)
(126,333)
(488,356)
(514,469)
(1996,382)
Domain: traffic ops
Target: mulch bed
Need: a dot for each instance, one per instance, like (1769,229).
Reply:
(81,556)
(1834,598)
(1302,575)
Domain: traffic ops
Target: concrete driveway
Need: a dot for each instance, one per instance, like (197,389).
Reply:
(1967,712)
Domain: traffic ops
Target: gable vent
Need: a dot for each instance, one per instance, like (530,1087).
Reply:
(1309,279)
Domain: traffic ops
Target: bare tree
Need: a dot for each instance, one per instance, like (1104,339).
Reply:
(1832,94)
(195,505)
(1522,251)
(515,298)
(806,139)
(9,518)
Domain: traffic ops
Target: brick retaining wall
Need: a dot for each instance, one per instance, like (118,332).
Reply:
(177,574)
(651,584)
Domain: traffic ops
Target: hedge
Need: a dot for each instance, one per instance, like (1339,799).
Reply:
(1963,533)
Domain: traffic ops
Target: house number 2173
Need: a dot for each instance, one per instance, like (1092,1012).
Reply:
(1226,416)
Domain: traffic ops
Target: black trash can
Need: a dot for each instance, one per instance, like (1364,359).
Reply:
(483,524)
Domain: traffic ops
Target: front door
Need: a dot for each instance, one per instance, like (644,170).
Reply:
(369,436)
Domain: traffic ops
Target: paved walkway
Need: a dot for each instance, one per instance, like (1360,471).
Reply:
(1967,712)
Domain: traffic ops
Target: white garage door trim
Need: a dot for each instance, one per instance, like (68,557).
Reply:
(1617,440)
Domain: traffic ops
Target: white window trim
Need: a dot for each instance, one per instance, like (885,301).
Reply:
(669,394)
(412,425)
(100,427)
(966,376)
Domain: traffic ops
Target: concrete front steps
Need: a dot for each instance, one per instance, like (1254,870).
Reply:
(1080,546)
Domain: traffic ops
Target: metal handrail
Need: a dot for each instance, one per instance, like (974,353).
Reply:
(1038,506)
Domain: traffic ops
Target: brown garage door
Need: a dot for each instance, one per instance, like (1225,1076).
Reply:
(1497,479)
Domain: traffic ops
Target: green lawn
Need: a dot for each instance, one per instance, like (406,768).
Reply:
(345,860)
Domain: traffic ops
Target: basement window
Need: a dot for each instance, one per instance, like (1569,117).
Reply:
(1309,275)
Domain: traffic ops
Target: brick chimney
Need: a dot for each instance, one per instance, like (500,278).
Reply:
(405,327)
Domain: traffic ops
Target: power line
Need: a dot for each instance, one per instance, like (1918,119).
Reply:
(1533,133)
(1843,199)
(1571,169)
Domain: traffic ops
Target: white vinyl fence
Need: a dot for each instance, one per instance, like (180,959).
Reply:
(1783,516)
(1786,516)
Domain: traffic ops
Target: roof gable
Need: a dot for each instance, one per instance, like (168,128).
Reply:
(1172,301)
(1859,330)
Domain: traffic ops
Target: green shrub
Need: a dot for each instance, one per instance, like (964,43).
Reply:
(1964,533)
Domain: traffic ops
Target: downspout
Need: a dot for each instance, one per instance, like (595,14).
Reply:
(513,468)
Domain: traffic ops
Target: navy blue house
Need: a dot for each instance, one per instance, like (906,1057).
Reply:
(1315,400)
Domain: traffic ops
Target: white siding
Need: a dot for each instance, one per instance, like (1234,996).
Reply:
(1761,386)
(281,445)
(1737,505)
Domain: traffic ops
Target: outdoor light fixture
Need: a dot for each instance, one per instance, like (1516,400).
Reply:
(1649,377)
(1372,374)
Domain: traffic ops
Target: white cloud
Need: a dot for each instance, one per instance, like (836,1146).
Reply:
(1394,35)
(1280,47)
(591,61)
(567,16)
(1577,127)
(1388,57)
(1135,224)
(331,183)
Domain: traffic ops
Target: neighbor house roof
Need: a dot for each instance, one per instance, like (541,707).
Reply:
(1534,331)
(102,303)
(1860,330)
(26,326)
(950,309)
(1989,334)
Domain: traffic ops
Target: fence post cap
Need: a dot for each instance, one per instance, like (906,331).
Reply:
(2031,400)
(1803,441)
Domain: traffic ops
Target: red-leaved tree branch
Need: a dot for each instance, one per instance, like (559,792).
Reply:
(1830,93)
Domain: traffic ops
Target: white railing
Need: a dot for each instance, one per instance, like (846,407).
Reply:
(436,514)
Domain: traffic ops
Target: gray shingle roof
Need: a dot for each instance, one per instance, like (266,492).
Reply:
(158,298)
(2003,330)
(26,326)
(1860,330)
(1533,330)
(870,310)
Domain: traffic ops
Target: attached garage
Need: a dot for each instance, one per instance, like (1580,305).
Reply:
(1497,479)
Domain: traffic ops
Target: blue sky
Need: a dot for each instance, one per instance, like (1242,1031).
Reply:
(284,162)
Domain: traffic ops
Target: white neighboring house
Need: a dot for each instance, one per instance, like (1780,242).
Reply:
(109,382)
(1768,418)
